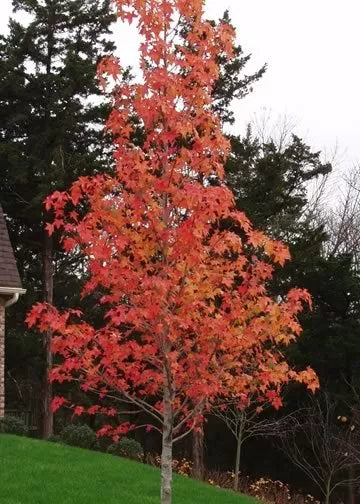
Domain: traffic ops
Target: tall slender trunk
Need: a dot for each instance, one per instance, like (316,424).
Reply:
(167,445)
(198,453)
(48,418)
(48,285)
(327,493)
(237,463)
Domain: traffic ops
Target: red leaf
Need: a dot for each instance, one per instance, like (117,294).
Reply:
(57,402)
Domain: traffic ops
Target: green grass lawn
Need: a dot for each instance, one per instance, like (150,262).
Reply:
(37,472)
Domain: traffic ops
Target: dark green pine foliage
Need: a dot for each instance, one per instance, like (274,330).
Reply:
(332,331)
(331,338)
(270,181)
(51,131)
(52,116)
(233,83)
(270,184)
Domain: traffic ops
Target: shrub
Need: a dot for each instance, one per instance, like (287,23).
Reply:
(13,425)
(127,448)
(54,439)
(267,490)
(104,443)
(79,435)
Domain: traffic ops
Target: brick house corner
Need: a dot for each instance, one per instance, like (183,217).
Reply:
(10,289)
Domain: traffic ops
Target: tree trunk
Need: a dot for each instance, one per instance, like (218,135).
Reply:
(48,419)
(198,453)
(167,445)
(327,493)
(237,464)
(48,287)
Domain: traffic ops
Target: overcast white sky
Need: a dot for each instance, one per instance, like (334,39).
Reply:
(312,51)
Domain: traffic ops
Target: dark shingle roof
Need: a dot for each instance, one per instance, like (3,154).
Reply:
(9,275)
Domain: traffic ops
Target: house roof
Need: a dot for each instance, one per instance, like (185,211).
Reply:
(9,275)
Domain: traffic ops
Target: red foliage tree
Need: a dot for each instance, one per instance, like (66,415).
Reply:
(187,318)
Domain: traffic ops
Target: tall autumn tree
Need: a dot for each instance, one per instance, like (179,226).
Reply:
(51,133)
(188,322)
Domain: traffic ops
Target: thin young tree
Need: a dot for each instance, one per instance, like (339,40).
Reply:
(187,317)
(244,420)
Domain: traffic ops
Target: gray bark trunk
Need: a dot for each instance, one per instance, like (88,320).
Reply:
(327,493)
(48,419)
(167,445)
(237,464)
(48,285)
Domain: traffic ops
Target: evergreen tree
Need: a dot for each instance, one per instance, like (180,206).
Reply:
(51,130)
(270,183)
(332,332)
(233,83)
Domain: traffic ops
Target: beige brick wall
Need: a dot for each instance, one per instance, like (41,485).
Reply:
(2,357)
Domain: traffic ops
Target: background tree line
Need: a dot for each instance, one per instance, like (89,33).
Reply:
(51,132)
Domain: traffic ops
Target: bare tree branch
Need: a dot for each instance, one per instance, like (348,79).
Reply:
(323,445)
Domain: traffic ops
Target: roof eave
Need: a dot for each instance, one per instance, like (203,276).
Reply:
(12,290)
